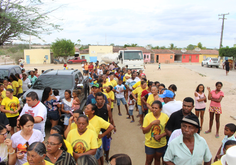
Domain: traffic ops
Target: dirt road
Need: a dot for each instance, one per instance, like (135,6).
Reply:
(129,138)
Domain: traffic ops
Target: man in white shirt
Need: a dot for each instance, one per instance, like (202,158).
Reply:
(35,108)
(171,105)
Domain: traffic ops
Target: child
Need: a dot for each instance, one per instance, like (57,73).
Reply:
(159,66)
(56,94)
(131,103)
(119,90)
(229,135)
(66,107)
(76,102)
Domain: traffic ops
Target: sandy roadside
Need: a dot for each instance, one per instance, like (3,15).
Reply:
(129,138)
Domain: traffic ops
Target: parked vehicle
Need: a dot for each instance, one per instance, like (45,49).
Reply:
(209,62)
(76,60)
(7,70)
(61,80)
(132,58)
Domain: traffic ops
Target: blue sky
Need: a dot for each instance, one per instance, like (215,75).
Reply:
(155,22)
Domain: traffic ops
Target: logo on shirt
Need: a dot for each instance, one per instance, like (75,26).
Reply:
(22,148)
(80,146)
(156,130)
(13,106)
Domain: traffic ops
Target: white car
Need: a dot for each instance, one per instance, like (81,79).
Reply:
(209,62)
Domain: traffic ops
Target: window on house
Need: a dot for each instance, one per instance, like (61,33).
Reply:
(183,57)
(196,57)
(171,57)
(147,56)
(144,55)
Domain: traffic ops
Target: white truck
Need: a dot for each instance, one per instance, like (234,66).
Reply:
(132,58)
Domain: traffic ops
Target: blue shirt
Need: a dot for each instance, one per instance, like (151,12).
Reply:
(178,153)
(91,99)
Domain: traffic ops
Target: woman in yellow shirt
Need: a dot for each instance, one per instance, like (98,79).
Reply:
(36,153)
(20,83)
(6,84)
(155,136)
(15,84)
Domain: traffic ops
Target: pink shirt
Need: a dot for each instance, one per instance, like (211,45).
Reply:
(201,104)
(216,96)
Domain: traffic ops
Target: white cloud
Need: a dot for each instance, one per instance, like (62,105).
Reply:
(144,22)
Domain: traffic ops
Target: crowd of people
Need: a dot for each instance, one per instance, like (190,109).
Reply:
(171,129)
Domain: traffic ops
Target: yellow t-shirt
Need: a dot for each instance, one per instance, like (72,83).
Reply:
(69,147)
(2,96)
(14,86)
(155,130)
(46,163)
(82,143)
(113,82)
(217,163)
(11,105)
(74,126)
(137,84)
(111,95)
(127,75)
(107,84)
(138,91)
(105,93)
(9,87)
(20,83)
(99,124)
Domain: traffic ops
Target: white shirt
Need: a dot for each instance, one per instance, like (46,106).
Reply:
(131,107)
(58,98)
(171,107)
(19,143)
(37,111)
(25,84)
(174,135)
(119,88)
(82,66)
(100,72)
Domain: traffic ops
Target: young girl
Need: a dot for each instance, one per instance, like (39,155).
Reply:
(56,94)
(131,103)
(66,107)
(200,102)
(215,107)
(76,101)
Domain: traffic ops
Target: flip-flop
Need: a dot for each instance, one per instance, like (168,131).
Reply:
(132,121)
(127,117)
(119,114)
(207,132)
(217,136)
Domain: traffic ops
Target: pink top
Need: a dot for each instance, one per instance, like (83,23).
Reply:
(75,106)
(216,96)
(202,104)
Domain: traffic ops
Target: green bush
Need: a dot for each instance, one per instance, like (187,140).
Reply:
(228,52)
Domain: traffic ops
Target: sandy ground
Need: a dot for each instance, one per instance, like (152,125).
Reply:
(129,138)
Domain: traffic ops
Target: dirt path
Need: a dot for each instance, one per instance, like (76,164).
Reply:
(129,138)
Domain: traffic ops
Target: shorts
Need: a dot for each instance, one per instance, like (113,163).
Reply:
(203,109)
(140,109)
(66,120)
(152,151)
(13,121)
(99,153)
(106,143)
(216,110)
(121,99)
(131,112)
(111,109)
(53,115)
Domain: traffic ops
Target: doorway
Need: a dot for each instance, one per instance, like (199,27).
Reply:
(157,58)
(190,58)
(27,59)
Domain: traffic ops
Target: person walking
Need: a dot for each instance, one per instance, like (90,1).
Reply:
(227,67)
(215,107)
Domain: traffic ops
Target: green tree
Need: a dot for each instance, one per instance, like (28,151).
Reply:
(190,47)
(227,52)
(112,44)
(172,46)
(63,47)
(156,47)
(199,45)
(162,47)
(20,17)
(79,40)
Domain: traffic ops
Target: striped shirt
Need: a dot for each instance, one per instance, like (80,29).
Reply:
(64,159)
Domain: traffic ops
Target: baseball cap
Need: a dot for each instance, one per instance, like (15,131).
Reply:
(167,93)
(96,85)
(191,119)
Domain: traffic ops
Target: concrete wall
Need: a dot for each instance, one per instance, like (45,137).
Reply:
(204,56)
(86,56)
(164,58)
(190,58)
(98,51)
(36,56)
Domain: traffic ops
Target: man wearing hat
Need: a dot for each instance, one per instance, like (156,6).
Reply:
(189,148)
(171,105)
(91,98)
(174,121)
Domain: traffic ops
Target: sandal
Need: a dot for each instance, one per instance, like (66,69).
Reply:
(132,121)
(127,117)
(207,132)
(217,136)
(119,114)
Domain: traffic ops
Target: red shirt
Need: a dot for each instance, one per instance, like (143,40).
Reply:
(90,67)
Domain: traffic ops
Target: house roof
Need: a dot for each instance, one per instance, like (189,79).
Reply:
(144,50)
(84,51)
(215,52)
(178,52)
(162,51)
(117,48)
(191,52)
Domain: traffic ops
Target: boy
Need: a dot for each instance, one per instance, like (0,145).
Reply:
(119,90)
(159,66)
(229,135)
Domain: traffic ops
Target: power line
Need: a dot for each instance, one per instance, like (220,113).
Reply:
(222,27)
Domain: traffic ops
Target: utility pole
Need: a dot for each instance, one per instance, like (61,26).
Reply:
(222,27)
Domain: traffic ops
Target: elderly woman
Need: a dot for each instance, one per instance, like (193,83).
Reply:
(36,154)
(56,151)
(7,153)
